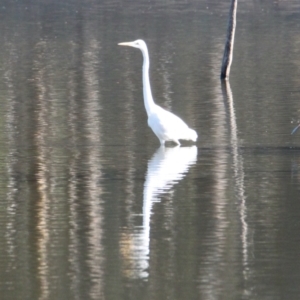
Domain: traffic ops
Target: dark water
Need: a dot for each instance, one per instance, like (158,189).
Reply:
(92,208)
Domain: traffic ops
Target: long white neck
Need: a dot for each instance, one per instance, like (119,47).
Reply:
(148,99)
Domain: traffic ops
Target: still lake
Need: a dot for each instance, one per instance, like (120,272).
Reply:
(92,208)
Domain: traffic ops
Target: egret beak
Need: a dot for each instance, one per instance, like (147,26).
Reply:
(126,44)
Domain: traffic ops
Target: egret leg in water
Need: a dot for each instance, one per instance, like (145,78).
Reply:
(165,125)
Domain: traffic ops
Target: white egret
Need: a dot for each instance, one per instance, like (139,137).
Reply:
(166,125)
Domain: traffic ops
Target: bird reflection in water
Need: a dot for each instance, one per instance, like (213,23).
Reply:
(165,169)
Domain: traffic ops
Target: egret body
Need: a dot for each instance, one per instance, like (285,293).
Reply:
(165,125)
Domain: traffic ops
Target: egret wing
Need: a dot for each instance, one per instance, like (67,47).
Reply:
(166,125)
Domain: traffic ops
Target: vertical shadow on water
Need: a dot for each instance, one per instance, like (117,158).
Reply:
(42,171)
(166,59)
(94,125)
(129,131)
(84,172)
(12,190)
(67,140)
(165,169)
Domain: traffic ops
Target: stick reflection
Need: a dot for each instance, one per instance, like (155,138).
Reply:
(239,175)
(166,168)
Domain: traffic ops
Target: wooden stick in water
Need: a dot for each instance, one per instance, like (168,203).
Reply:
(228,51)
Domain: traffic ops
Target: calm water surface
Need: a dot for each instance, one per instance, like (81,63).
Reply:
(92,208)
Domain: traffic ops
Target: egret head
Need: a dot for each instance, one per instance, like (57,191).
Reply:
(140,44)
